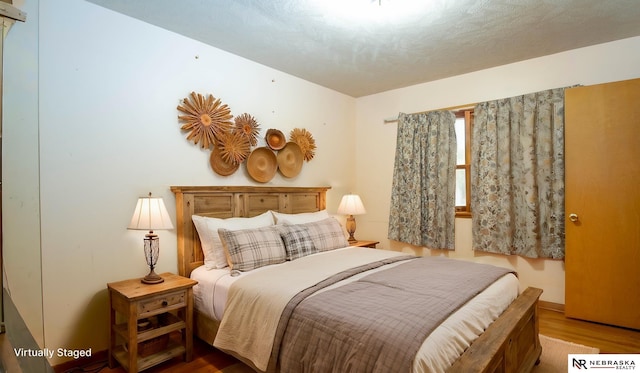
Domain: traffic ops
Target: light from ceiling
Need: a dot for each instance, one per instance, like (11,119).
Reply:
(367,11)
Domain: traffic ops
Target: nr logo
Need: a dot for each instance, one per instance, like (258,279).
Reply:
(580,363)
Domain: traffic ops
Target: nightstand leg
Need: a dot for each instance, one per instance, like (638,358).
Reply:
(188,331)
(132,326)
(112,333)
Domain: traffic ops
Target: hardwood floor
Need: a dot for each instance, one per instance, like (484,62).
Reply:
(609,339)
(206,359)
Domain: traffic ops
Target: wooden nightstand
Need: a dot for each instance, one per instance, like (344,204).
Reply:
(160,311)
(359,243)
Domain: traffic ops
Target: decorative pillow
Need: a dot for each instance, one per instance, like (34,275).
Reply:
(249,249)
(297,241)
(327,234)
(304,217)
(214,254)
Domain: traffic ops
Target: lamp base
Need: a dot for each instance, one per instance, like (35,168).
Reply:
(152,278)
(351,228)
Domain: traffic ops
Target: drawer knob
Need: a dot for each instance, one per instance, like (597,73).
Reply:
(164,303)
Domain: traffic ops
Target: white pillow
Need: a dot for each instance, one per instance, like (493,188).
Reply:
(214,255)
(301,218)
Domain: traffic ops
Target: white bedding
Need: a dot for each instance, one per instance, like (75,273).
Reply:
(210,294)
(438,351)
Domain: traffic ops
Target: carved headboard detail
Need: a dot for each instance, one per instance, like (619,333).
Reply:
(234,201)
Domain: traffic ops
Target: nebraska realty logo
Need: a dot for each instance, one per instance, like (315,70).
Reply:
(603,362)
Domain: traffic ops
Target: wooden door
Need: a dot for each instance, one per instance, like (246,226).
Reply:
(602,154)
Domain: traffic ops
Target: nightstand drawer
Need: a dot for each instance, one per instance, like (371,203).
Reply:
(162,303)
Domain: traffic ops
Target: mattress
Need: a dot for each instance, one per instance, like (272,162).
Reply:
(439,350)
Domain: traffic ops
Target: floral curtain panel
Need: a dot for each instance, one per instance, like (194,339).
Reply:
(517,175)
(423,194)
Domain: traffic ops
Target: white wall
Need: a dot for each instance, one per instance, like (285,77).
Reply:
(20,172)
(108,133)
(375,148)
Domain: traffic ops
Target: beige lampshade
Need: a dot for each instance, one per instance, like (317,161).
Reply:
(351,204)
(150,214)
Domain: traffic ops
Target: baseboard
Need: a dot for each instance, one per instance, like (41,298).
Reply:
(20,337)
(551,306)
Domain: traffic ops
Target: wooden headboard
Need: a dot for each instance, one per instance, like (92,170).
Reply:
(234,201)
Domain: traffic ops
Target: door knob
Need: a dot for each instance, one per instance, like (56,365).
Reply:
(573,217)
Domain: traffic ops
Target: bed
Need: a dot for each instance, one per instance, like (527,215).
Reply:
(509,344)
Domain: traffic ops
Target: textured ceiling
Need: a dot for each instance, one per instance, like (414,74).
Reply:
(362,47)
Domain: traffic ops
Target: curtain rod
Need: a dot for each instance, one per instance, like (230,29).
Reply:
(458,107)
(461,107)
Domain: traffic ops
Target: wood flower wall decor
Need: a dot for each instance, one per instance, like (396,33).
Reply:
(248,126)
(212,126)
(234,147)
(207,119)
(305,141)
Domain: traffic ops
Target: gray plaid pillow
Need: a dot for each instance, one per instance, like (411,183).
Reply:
(249,249)
(327,234)
(297,241)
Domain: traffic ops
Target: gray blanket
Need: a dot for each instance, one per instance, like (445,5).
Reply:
(378,323)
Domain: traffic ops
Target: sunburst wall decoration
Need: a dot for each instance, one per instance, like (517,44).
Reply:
(207,119)
(305,141)
(248,126)
(234,147)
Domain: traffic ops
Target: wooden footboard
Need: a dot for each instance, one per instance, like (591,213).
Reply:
(510,344)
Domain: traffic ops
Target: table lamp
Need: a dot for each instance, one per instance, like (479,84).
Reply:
(151,214)
(350,205)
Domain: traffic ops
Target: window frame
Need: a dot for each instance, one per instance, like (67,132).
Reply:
(468,115)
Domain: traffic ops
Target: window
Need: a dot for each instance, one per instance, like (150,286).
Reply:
(463,126)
